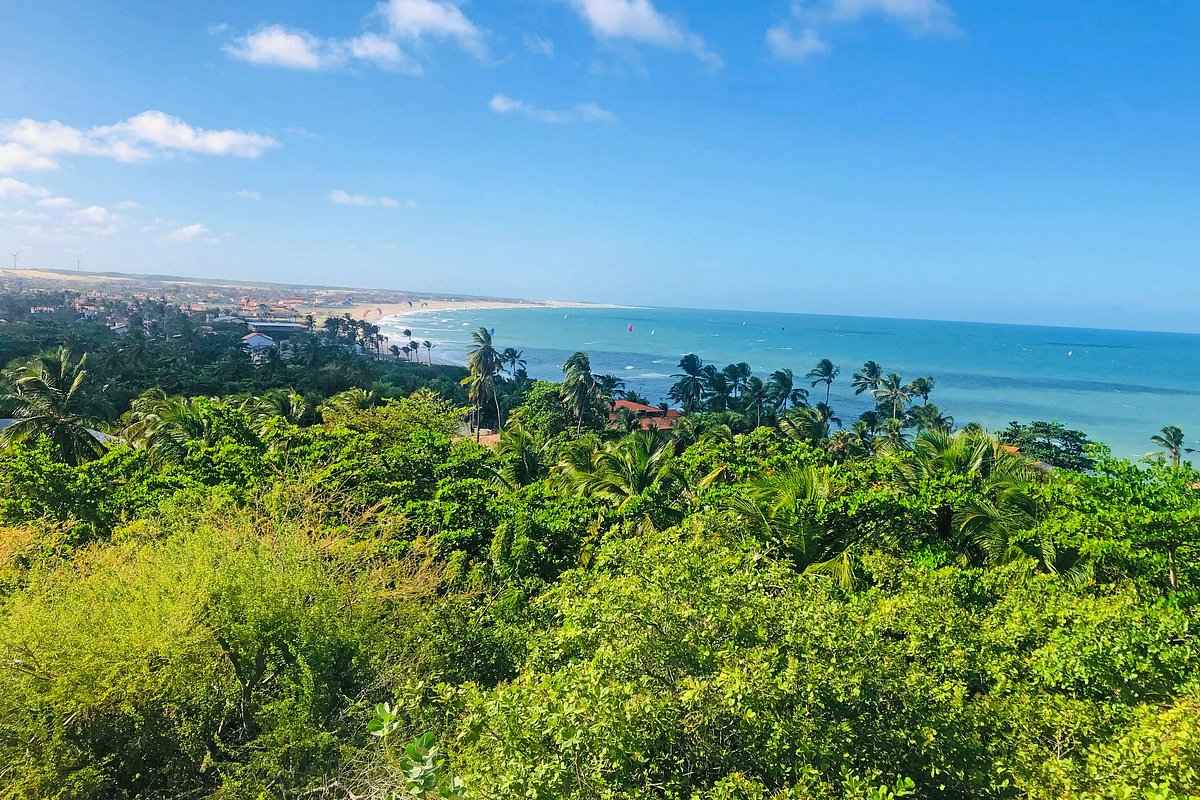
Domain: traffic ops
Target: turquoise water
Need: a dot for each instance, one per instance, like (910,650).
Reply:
(1119,387)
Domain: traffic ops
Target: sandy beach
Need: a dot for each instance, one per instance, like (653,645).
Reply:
(378,311)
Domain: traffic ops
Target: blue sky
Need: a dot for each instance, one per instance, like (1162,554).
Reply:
(1017,161)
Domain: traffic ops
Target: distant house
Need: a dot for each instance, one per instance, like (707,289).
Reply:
(228,318)
(648,416)
(120,328)
(275,327)
(256,342)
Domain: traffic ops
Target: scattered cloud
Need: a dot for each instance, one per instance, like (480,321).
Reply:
(191,233)
(13,188)
(803,34)
(276,46)
(28,144)
(640,22)
(248,194)
(583,112)
(56,202)
(539,45)
(344,198)
(127,205)
(411,22)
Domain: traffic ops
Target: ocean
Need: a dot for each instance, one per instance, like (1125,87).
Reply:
(1119,387)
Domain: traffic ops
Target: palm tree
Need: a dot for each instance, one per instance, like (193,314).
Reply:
(287,404)
(809,424)
(921,387)
(1170,439)
(632,396)
(824,372)
(927,417)
(688,390)
(513,359)
(164,426)
(997,502)
(407,333)
(610,386)
(737,375)
(718,388)
(523,459)
(483,362)
(893,394)
(756,396)
(621,471)
(781,388)
(342,403)
(395,351)
(49,396)
(867,379)
(428,345)
(789,508)
(579,388)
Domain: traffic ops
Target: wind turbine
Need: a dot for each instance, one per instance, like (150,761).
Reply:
(14,255)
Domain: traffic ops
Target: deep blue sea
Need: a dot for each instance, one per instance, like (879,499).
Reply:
(1120,387)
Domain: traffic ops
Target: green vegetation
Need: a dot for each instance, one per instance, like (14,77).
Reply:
(305,578)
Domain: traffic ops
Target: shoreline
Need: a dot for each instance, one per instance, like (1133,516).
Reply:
(377,312)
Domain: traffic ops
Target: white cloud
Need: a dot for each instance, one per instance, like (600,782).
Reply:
(802,35)
(345,198)
(57,202)
(539,45)
(583,112)
(639,21)
(29,144)
(127,205)
(276,46)
(94,220)
(11,187)
(415,20)
(191,233)
(248,194)
(408,21)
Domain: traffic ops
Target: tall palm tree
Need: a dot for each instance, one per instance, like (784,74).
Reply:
(428,345)
(892,394)
(867,379)
(49,396)
(1170,439)
(513,360)
(579,388)
(921,387)
(824,372)
(809,424)
(483,363)
(756,397)
(718,389)
(780,387)
(737,375)
(688,390)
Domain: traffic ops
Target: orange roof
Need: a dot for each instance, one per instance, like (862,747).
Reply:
(638,407)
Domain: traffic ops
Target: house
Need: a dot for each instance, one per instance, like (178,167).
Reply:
(276,327)
(256,342)
(648,416)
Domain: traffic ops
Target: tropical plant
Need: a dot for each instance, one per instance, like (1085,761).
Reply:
(483,364)
(49,395)
(1171,438)
(824,372)
(867,379)
(893,394)
(618,472)
(579,386)
(688,389)
(921,387)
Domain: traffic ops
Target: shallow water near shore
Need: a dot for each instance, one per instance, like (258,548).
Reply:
(1119,387)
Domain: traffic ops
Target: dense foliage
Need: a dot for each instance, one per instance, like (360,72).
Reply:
(271,589)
